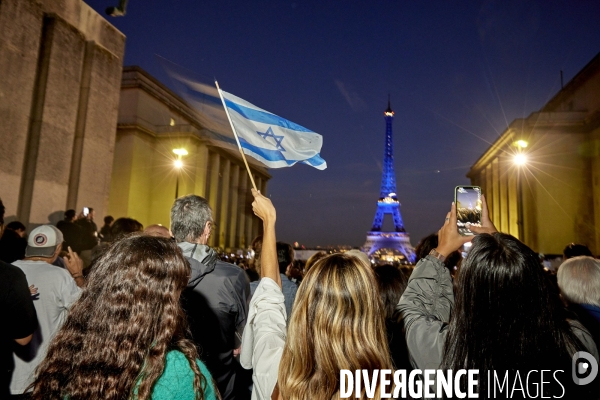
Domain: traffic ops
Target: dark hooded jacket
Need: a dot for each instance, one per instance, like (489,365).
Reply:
(216,303)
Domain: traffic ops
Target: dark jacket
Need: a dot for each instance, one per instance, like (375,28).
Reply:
(19,319)
(71,235)
(589,316)
(89,233)
(216,303)
(425,309)
(12,246)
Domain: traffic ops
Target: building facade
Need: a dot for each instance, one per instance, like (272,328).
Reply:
(60,73)
(541,178)
(152,122)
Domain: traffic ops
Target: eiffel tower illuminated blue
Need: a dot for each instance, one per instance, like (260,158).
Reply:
(397,241)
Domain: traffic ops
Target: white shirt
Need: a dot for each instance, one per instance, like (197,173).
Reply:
(264,337)
(57,291)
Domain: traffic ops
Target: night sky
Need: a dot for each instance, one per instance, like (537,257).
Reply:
(457,74)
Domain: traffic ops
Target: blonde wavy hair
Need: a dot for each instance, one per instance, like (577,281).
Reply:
(337,323)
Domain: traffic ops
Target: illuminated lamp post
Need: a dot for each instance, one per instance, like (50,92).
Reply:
(178,163)
(520,160)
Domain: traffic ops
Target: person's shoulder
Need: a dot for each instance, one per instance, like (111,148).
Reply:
(231,270)
(11,271)
(177,379)
(287,282)
(175,358)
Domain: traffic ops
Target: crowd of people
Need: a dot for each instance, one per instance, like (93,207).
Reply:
(131,313)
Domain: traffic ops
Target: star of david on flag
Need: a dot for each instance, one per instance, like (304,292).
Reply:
(273,140)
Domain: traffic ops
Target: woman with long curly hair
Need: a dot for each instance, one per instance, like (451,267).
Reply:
(125,338)
(337,323)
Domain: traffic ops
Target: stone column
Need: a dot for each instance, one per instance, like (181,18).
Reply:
(213,195)
(504,168)
(513,207)
(201,170)
(496,194)
(19,51)
(44,183)
(242,210)
(224,203)
(233,204)
(489,189)
(256,222)
(249,216)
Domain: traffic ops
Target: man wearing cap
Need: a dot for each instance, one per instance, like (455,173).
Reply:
(58,289)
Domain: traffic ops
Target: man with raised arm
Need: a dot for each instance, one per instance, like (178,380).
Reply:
(58,289)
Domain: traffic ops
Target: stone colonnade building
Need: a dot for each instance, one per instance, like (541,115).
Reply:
(553,197)
(60,72)
(152,122)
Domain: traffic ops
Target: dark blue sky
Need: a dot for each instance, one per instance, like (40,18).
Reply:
(457,73)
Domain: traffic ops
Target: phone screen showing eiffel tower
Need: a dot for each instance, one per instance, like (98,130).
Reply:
(468,207)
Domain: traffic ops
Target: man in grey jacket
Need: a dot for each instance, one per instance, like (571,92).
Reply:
(217,297)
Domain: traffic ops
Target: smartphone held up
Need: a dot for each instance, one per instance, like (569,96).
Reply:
(468,208)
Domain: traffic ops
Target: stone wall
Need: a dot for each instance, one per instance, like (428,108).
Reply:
(60,74)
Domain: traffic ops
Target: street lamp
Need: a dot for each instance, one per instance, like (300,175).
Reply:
(178,163)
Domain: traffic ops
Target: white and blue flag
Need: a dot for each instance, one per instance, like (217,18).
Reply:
(273,140)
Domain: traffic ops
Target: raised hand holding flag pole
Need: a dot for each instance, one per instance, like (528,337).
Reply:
(273,140)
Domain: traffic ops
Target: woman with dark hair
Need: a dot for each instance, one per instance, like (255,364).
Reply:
(392,283)
(505,320)
(125,338)
(119,229)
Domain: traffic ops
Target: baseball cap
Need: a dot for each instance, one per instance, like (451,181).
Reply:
(43,241)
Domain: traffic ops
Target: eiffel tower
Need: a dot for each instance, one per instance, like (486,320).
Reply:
(377,239)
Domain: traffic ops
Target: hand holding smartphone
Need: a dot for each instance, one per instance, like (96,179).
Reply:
(468,208)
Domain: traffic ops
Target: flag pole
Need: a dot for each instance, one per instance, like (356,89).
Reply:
(236,137)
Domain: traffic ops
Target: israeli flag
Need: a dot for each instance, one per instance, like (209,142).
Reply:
(274,141)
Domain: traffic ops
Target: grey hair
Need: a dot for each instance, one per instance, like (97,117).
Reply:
(189,216)
(579,280)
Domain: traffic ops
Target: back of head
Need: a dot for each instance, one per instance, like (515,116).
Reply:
(108,220)
(576,250)
(158,230)
(337,323)
(579,280)
(16,226)
(312,260)
(123,227)
(70,214)
(285,256)
(189,216)
(505,316)
(429,243)
(126,319)
(425,246)
(2,210)
(391,283)
(256,247)
(44,242)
